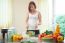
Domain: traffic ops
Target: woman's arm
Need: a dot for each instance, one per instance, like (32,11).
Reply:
(27,21)
(39,18)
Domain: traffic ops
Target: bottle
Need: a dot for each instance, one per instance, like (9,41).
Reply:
(57,28)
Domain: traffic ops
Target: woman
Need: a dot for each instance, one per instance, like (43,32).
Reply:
(33,18)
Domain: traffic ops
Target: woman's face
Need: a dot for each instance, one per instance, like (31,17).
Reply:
(32,7)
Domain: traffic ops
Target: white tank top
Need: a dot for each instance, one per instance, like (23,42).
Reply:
(33,20)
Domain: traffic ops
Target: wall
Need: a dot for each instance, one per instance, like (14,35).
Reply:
(19,14)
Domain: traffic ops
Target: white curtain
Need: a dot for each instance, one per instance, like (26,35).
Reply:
(46,9)
(5,13)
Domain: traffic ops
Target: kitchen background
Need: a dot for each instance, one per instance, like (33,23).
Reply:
(13,13)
